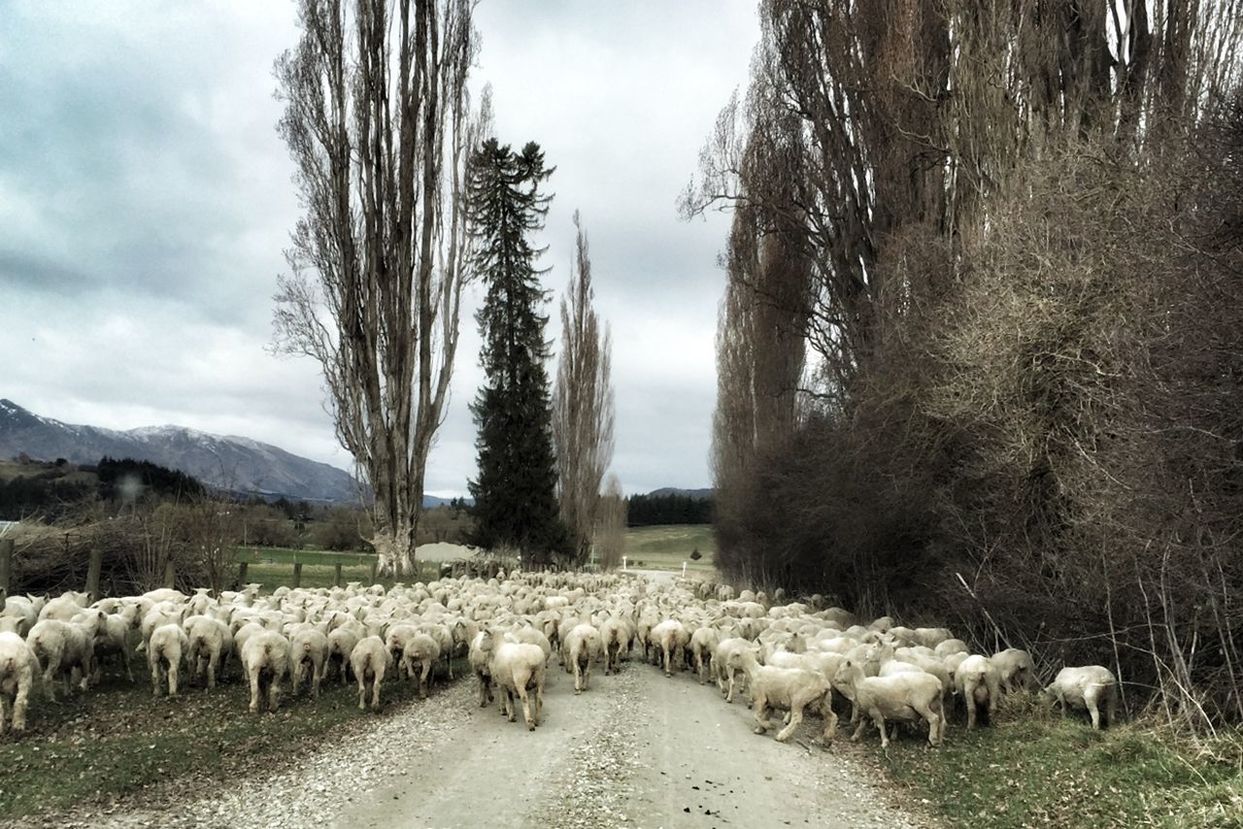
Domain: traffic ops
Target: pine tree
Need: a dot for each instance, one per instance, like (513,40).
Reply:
(515,500)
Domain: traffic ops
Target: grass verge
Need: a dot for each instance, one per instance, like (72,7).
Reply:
(117,746)
(1035,769)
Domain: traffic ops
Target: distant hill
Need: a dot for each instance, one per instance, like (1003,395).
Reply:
(697,494)
(227,462)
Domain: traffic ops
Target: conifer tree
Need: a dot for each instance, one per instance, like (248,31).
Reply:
(515,498)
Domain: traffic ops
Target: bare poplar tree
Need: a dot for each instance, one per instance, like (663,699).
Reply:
(378,122)
(582,425)
(611,525)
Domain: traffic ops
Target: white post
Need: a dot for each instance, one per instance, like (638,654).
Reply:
(623,562)
(684,569)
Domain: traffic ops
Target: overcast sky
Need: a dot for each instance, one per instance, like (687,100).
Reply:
(145,200)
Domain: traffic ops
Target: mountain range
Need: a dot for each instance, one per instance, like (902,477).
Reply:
(226,462)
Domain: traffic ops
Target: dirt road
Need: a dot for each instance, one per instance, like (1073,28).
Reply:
(637,749)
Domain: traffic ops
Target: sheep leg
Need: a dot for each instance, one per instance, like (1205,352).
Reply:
(796,717)
(830,718)
(879,719)
(761,714)
(3,705)
(969,698)
(668,660)
(586,674)
(49,678)
(155,676)
(427,669)
(862,724)
(362,694)
(1093,710)
(377,679)
(213,662)
(252,676)
(274,692)
(509,705)
(539,697)
(729,697)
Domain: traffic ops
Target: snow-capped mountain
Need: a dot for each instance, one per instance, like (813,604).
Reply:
(226,462)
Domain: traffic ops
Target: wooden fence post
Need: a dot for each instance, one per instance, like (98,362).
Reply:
(297,574)
(336,580)
(375,564)
(170,574)
(241,574)
(6,566)
(92,573)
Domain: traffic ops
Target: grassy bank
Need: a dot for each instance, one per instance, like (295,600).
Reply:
(1034,769)
(116,743)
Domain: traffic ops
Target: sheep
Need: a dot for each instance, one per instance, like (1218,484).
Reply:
(950,646)
(61,647)
(265,661)
(308,649)
(18,667)
(369,660)
(903,697)
(672,638)
(787,689)
(978,684)
(480,663)
(1015,669)
(614,634)
(1086,687)
(704,642)
(725,662)
(582,645)
(165,649)
(209,649)
(420,653)
(341,643)
(23,610)
(516,667)
(64,607)
(113,638)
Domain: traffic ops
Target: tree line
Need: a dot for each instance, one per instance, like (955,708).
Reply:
(979,347)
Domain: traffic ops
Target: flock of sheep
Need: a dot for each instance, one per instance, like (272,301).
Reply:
(793,657)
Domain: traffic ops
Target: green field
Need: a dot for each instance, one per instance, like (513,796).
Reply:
(666,547)
(654,548)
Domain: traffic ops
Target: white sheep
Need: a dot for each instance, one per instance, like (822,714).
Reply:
(61,648)
(726,663)
(704,642)
(614,635)
(582,647)
(1086,687)
(515,668)
(18,667)
(341,643)
(672,638)
(979,686)
(165,649)
(1016,669)
(113,638)
(787,689)
(480,662)
(210,644)
(265,660)
(902,697)
(308,652)
(369,660)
